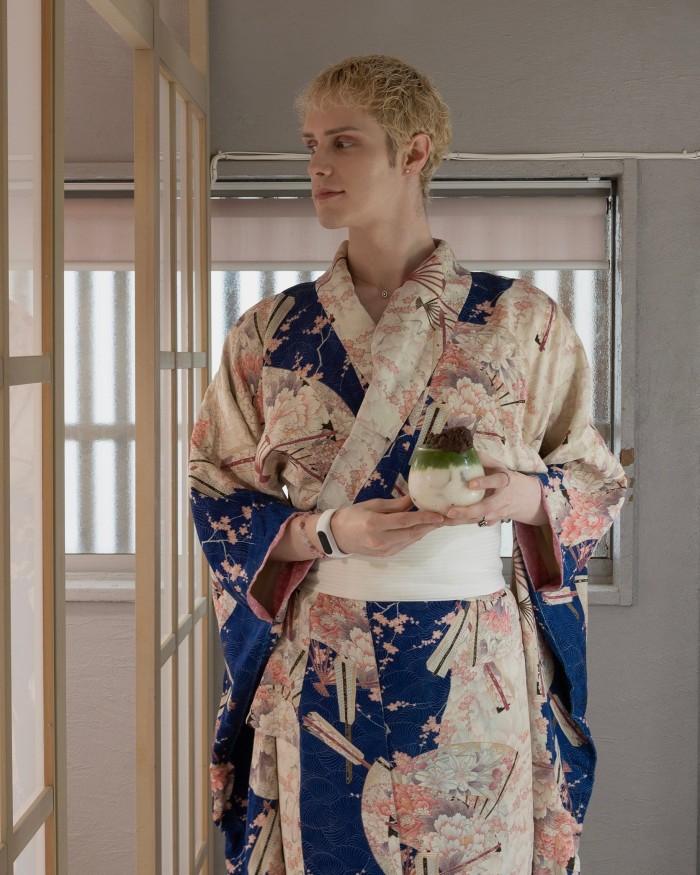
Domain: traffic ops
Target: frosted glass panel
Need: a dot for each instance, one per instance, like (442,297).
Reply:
(200,577)
(198,286)
(26,594)
(99,411)
(166,338)
(202,730)
(168,490)
(166,762)
(25,313)
(183,253)
(32,860)
(184,520)
(184,742)
(234,292)
(24,172)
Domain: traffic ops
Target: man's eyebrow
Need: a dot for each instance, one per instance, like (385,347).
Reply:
(307,136)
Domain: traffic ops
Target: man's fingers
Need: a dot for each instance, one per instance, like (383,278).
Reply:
(410,520)
(497,480)
(387,505)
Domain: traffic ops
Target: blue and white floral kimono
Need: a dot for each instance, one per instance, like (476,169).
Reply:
(410,736)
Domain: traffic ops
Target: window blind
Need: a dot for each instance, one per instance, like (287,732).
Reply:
(486,231)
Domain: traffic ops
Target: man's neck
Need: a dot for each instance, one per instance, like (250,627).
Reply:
(383,261)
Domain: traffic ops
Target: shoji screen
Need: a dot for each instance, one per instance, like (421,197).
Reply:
(32,672)
(171,311)
(184,600)
(174,714)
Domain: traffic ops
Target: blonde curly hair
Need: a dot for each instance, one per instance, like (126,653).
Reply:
(401,99)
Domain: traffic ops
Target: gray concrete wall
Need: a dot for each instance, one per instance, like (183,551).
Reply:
(101,718)
(542,77)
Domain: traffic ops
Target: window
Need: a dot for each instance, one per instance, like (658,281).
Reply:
(558,243)
(99,411)
(99,379)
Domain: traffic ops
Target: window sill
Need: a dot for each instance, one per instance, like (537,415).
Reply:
(108,586)
(601,588)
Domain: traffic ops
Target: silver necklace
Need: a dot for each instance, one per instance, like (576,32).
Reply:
(382,292)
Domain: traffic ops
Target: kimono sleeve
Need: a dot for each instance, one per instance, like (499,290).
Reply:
(239,509)
(583,489)
(584,485)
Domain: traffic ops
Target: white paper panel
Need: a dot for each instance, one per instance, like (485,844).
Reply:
(24,174)
(26,576)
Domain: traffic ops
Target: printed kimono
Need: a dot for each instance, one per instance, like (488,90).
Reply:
(364,736)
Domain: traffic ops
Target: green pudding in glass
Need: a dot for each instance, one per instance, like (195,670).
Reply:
(441,469)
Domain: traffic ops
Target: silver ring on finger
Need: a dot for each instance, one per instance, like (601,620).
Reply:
(482,522)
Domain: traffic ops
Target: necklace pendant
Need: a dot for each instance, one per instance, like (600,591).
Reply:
(385,294)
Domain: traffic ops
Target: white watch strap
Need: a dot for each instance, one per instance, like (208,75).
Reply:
(325,535)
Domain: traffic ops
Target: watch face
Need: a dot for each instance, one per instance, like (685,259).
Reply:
(325,543)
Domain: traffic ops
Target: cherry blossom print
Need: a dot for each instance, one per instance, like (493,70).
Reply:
(332,618)
(289,778)
(199,434)
(583,522)
(267,854)
(293,412)
(248,369)
(498,617)
(273,714)
(315,406)
(221,782)
(556,837)
(416,808)
(224,603)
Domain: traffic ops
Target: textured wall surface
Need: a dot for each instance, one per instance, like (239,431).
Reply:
(541,77)
(99,85)
(101,718)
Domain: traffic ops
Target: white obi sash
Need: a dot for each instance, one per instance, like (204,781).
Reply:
(460,562)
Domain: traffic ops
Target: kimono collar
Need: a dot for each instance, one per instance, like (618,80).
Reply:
(438,279)
(396,357)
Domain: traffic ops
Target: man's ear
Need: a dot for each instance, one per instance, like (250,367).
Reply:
(417,153)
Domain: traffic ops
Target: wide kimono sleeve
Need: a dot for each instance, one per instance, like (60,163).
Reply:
(240,511)
(583,489)
(584,486)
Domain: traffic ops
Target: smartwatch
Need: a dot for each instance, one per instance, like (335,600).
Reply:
(325,535)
